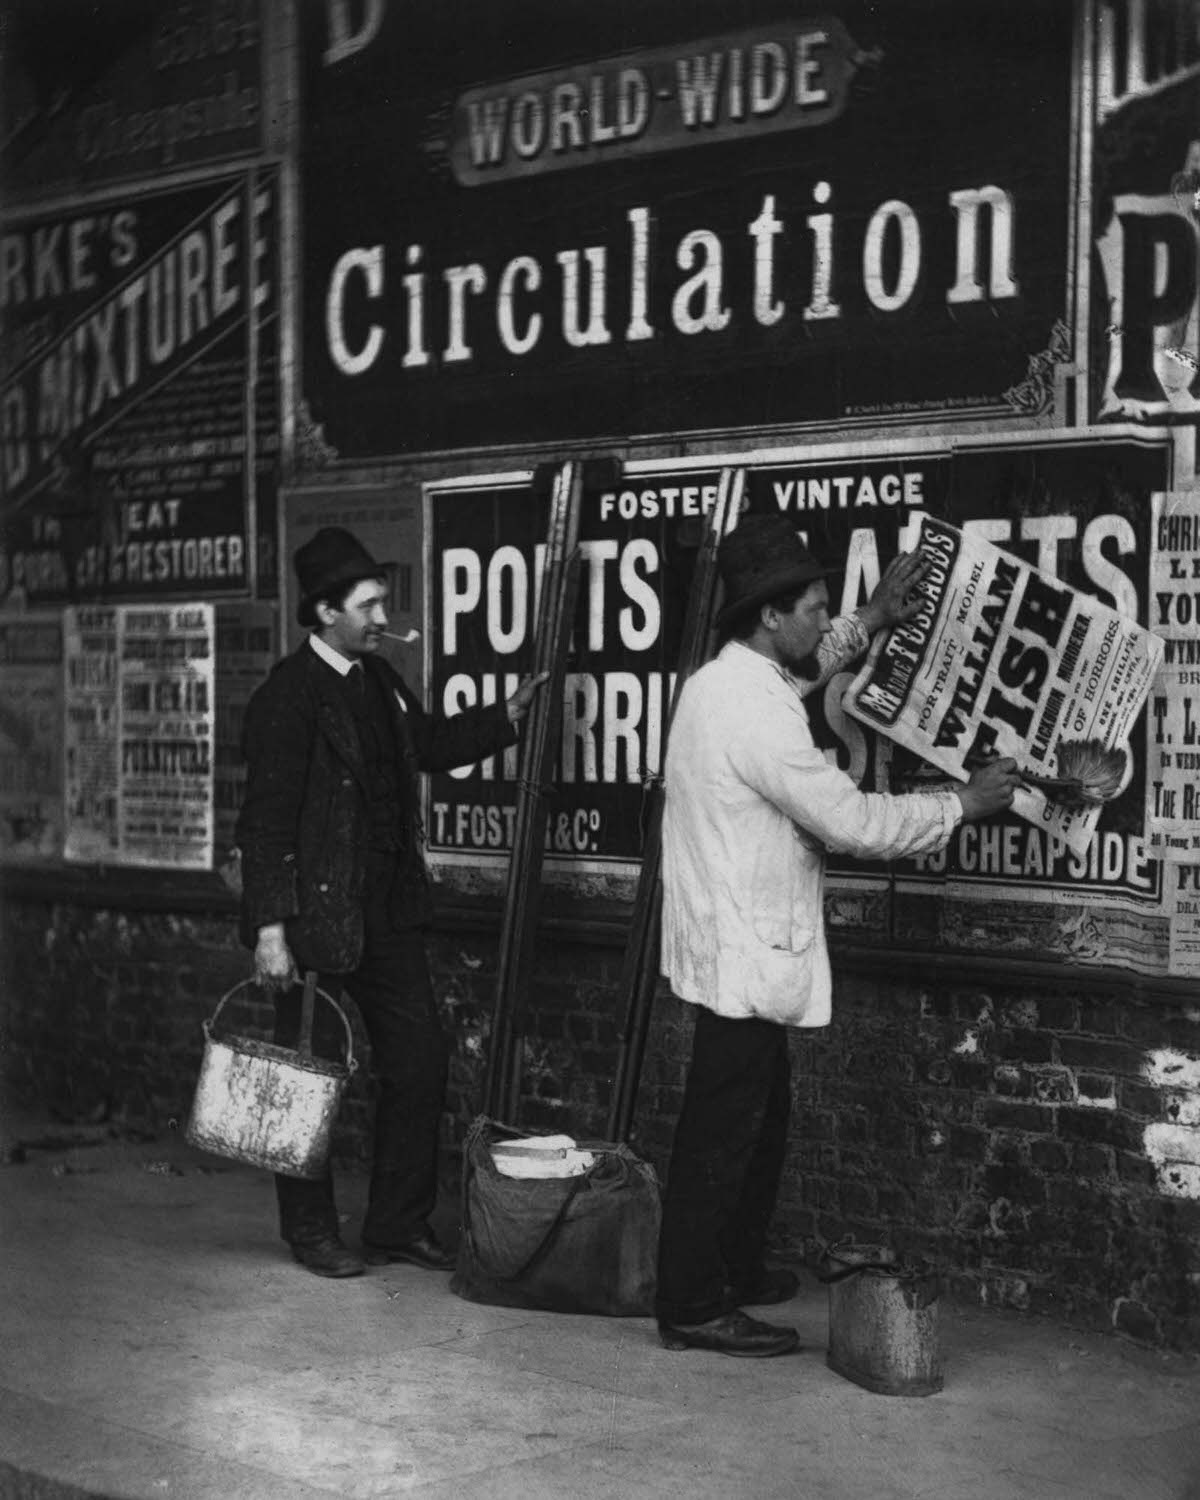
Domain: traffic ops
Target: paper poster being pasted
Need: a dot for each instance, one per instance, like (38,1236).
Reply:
(1005,660)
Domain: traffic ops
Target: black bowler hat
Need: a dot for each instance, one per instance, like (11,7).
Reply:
(330,560)
(761,560)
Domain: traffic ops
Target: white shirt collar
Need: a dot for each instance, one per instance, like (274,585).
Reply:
(342,665)
(765,665)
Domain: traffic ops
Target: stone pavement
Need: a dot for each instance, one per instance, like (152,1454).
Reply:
(155,1341)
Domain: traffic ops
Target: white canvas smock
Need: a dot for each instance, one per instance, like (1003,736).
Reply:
(751,805)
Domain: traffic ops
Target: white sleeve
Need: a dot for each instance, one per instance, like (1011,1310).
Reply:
(847,641)
(776,757)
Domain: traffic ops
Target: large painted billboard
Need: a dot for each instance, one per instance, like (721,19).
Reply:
(568,221)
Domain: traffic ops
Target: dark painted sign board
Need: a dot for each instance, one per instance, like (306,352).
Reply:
(551,221)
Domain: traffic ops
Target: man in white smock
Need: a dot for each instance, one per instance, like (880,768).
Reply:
(751,807)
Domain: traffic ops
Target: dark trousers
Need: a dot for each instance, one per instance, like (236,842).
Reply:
(409,1060)
(725,1167)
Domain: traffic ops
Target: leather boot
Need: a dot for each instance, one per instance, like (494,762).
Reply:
(327,1256)
(308,1221)
(732,1333)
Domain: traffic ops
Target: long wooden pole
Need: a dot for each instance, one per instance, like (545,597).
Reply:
(555,616)
(639,971)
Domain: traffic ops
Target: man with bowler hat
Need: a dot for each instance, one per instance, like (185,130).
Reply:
(751,806)
(334,880)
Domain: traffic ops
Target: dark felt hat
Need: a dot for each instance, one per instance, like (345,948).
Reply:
(330,560)
(760,560)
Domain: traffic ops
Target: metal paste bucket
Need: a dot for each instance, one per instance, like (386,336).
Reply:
(883,1321)
(268,1105)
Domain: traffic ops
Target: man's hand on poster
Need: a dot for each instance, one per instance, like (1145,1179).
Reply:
(895,598)
(274,966)
(990,788)
(518,704)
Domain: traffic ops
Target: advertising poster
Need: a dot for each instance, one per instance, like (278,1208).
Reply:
(667,219)
(1183,908)
(31,737)
(138,396)
(1173,725)
(140,733)
(91,659)
(1003,660)
(167,733)
(1078,512)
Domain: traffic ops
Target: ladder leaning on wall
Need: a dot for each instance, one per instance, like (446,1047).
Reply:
(555,617)
(639,970)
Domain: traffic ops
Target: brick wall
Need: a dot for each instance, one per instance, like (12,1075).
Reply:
(1040,1147)
(1040,1140)
(570,1047)
(102,1012)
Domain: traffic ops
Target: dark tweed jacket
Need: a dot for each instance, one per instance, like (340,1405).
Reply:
(302,829)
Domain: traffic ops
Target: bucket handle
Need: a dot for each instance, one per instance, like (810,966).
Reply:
(306,1016)
(829,1277)
(919,1289)
(835,1269)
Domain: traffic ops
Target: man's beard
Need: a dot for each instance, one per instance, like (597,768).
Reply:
(807,667)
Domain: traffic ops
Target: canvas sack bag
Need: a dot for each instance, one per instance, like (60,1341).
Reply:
(581,1244)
